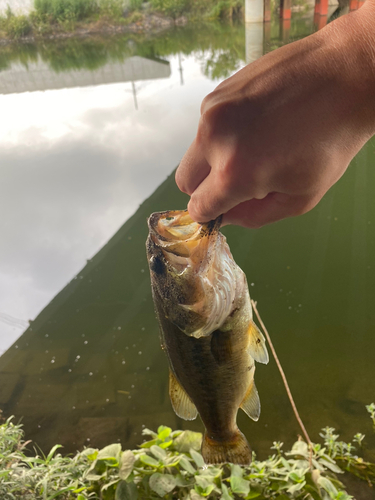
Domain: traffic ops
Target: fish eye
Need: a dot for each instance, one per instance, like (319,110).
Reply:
(156,265)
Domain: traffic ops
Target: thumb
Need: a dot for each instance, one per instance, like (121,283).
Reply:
(275,206)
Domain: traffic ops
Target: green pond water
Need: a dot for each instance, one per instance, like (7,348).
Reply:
(84,161)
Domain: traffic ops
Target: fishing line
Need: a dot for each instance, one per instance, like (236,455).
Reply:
(299,420)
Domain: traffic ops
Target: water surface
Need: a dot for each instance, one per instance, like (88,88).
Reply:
(85,160)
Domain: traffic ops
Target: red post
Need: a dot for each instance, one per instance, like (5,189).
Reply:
(353,5)
(284,30)
(319,21)
(267,10)
(286,9)
(321,7)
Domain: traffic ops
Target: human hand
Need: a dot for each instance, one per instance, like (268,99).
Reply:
(273,138)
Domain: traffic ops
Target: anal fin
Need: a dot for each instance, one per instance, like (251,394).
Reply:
(181,403)
(251,402)
(257,344)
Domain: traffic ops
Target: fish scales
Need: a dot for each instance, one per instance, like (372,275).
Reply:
(203,307)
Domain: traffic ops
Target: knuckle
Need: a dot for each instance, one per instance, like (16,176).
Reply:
(207,102)
(304,206)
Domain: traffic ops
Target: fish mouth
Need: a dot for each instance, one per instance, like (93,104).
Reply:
(180,237)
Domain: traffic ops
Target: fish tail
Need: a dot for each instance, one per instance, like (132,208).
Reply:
(235,450)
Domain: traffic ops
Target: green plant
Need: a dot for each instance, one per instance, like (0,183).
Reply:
(168,465)
(226,9)
(135,4)
(371,409)
(17,26)
(112,8)
(172,8)
(71,10)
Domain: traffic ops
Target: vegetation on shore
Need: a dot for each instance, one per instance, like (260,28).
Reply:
(168,465)
(51,17)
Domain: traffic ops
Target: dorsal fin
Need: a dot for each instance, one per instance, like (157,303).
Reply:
(182,404)
(251,403)
(257,344)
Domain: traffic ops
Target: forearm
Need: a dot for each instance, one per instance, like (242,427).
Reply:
(351,41)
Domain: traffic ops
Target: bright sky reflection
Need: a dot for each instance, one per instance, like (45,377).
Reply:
(75,164)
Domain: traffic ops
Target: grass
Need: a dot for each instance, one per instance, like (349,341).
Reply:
(56,16)
(168,465)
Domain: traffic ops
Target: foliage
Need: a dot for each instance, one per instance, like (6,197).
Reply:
(65,10)
(54,16)
(371,409)
(168,465)
(112,8)
(15,26)
(171,8)
(226,9)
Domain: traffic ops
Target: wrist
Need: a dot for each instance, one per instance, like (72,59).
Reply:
(350,44)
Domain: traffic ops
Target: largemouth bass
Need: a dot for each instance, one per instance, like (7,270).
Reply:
(203,306)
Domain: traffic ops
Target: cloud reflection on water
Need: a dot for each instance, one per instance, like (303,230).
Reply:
(76,163)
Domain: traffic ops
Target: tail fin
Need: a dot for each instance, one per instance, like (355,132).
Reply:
(236,450)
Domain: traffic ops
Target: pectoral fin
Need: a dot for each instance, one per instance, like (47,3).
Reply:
(257,344)
(251,403)
(182,404)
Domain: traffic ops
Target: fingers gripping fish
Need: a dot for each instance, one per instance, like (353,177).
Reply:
(207,331)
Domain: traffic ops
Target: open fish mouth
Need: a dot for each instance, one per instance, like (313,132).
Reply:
(180,237)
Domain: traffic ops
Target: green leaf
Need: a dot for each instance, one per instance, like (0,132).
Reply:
(253,494)
(187,440)
(126,464)
(111,451)
(163,432)
(193,495)
(300,448)
(148,432)
(236,470)
(204,481)
(331,466)
(90,453)
(58,493)
(162,483)
(204,492)
(93,477)
(296,487)
(165,444)
(186,464)
(108,485)
(148,444)
(297,478)
(326,484)
(172,461)
(197,457)
(239,485)
(225,493)
(126,491)
(52,452)
(158,452)
(147,460)
(180,481)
